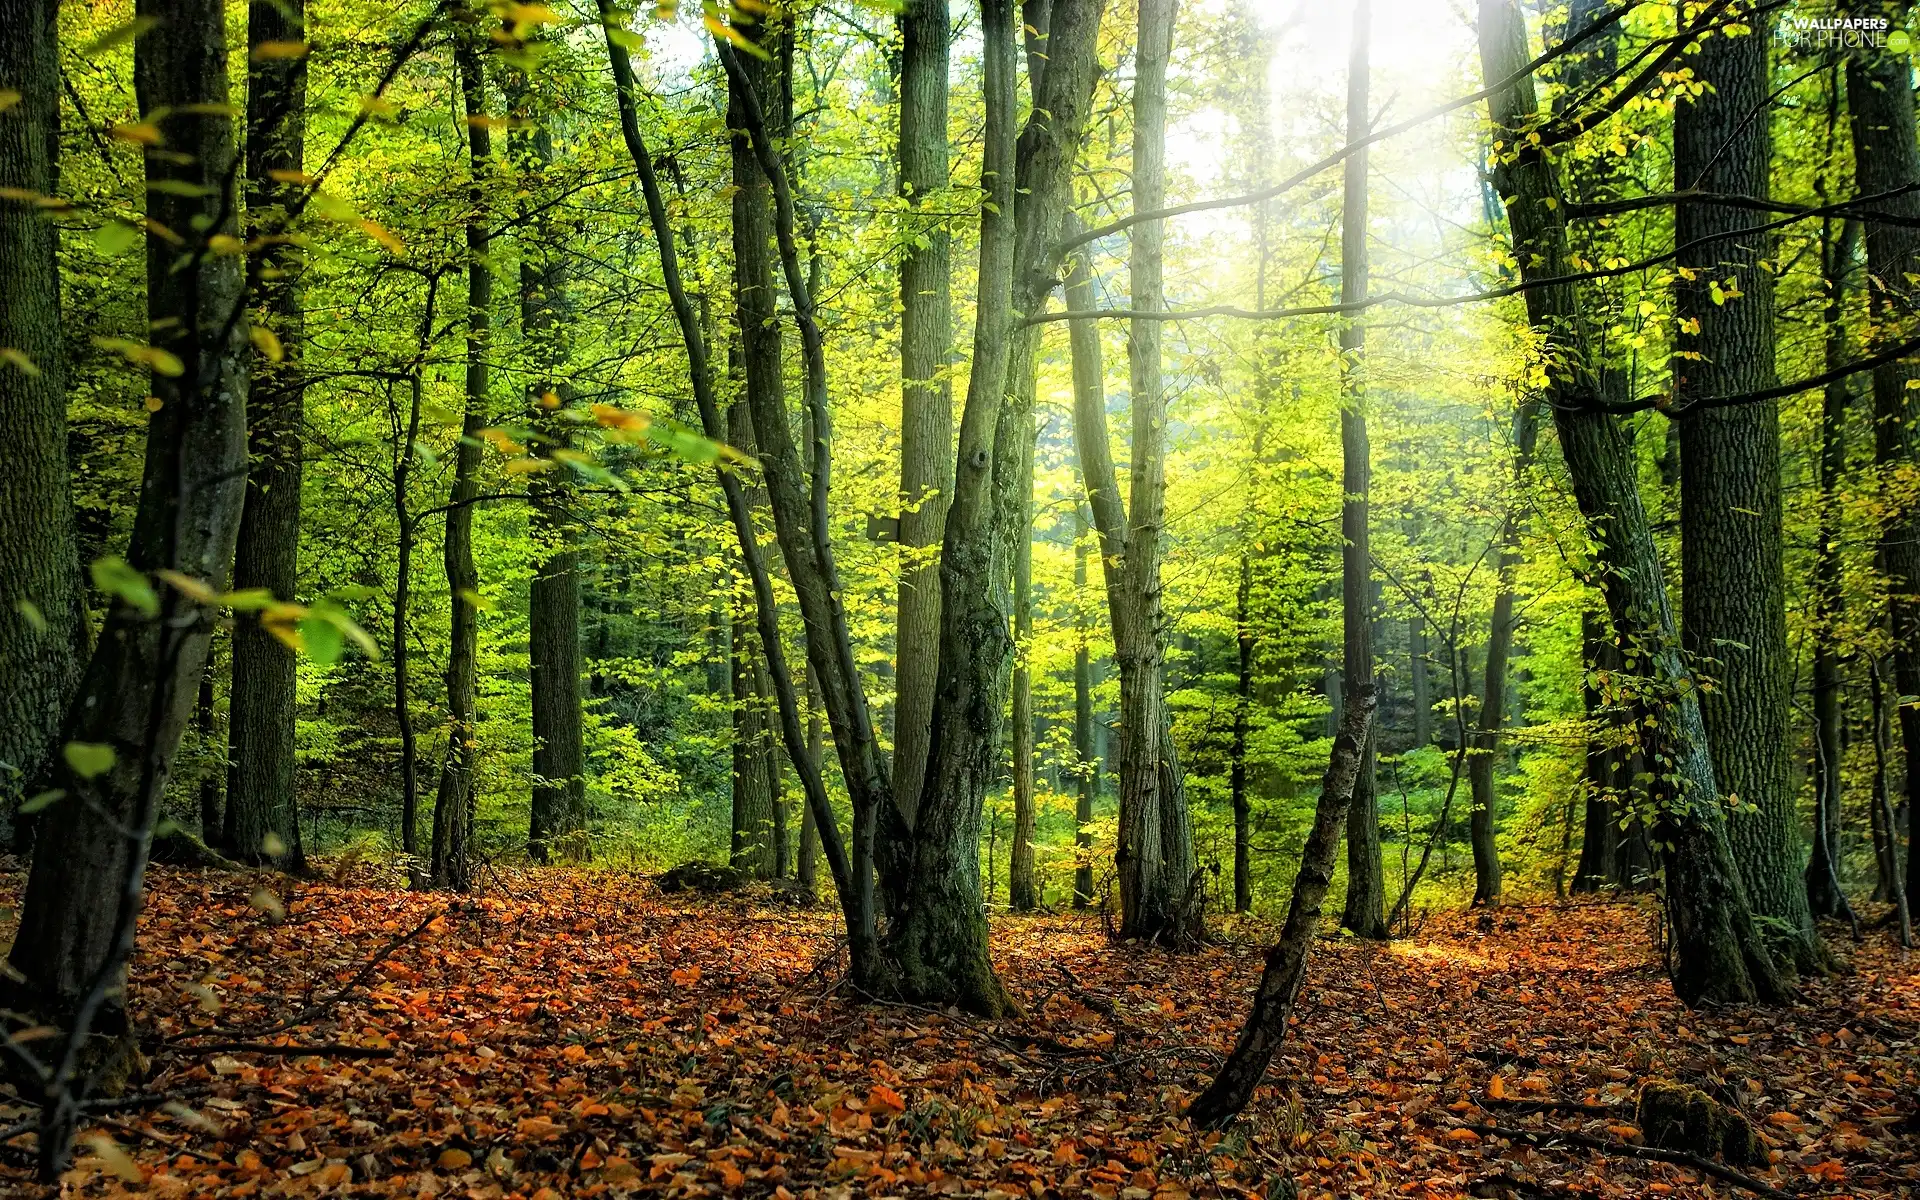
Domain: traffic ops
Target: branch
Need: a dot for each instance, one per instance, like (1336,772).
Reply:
(1848,208)
(1649,1153)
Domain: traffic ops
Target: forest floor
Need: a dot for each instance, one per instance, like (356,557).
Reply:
(580,1034)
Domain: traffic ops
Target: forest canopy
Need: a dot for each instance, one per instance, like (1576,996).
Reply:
(966,478)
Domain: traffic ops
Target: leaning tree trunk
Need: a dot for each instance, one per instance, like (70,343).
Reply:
(43,612)
(1719,954)
(1887,157)
(1365,913)
(559,817)
(1733,591)
(260,813)
(926,389)
(139,689)
(449,865)
(1286,967)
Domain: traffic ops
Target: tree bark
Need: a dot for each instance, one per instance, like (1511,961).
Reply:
(139,688)
(1023,891)
(1887,156)
(1419,680)
(262,697)
(453,806)
(1886,841)
(43,612)
(1719,954)
(1237,777)
(407,528)
(1365,913)
(1286,966)
(1600,838)
(1086,766)
(750,847)
(559,819)
(1733,611)
(926,390)
(1825,897)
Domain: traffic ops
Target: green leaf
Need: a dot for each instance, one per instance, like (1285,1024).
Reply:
(119,36)
(44,800)
(115,238)
(323,640)
(113,576)
(88,760)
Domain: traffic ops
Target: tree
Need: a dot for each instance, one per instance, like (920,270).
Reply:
(1733,613)
(1365,912)
(926,388)
(123,726)
(1719,953)
(43,615)
(1886,158)
(559,815)
(448,864)
(261,822)
(1023,891)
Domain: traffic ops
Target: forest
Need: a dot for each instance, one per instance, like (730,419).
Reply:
(812,598)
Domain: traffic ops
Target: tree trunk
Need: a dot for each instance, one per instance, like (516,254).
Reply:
(1365,913)
(139,689)
(1286,967)
(453,806)
(407,527)
(1886,157)
(751,847)
(1733,596)
(802,747)
(1419,680)
(926,390)
(262,699)
(1886,843)
(1086,766)
(1237,778)
(558,821)
(1023,891)
(43,612)
(211,823)
(1825,897)
(1600,838)
(1719,954)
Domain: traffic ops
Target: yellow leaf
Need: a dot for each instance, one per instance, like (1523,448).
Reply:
(226,243)
(267,342)
(267,50)
(721,29)
(548,399)
(454,1159)
(527,466)
(193,589)
(8,98)
(379,107)
(146,133)
(162,362)
(619,418)
(117,1161)
(283,176)
(378,233)
(20,361)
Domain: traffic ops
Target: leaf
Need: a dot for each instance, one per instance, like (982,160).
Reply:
(117,1161)
(31,614)
(144,133)
(321,639)
(88,760)
(269,51)
(115,238)
(42,800)
(619,418)
(379,233)
(113,576)
(180,187)
(8,98)
(726,32)
(161,362)
(193,589)
(686,977)
(267,342)
(119,36)
(19,361)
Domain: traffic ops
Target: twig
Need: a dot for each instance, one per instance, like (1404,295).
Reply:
(326,1050)
(1648,1153)
(1541,1106)
(315,1009)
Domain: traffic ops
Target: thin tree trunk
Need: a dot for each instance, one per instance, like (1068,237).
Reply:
(1023,891)
(1600,838)
(1485,753)
(1286,967)
(407,526)
(1237,778)
(1885,842)
(1365,913)
(1419,682)
(453,806)
(751,846)
(1887,157)
(43,613)
(1825,897)
(802,748)
(558,819)
(926,391)
(804,869)
(139,688)
(1719,954)
(1086,766)
(261,702)
(1733,591)
(203,721)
